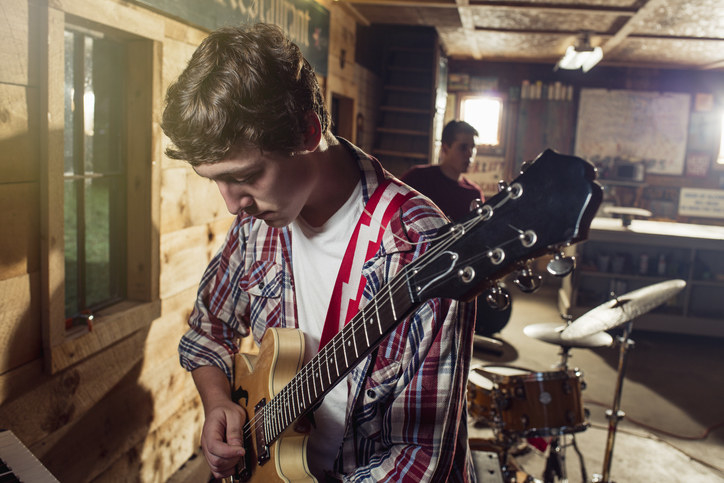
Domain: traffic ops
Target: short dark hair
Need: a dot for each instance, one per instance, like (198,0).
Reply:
(246,86)
(453,128)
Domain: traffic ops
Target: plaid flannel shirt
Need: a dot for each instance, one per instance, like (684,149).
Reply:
(407,416)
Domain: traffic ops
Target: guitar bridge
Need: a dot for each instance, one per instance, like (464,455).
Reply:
(262,448)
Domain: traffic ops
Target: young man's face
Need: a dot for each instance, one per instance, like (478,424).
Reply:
(460,153)
(272,187)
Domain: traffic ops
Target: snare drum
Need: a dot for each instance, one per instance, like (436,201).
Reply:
(531,403)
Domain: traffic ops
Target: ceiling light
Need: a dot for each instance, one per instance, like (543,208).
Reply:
(581,56)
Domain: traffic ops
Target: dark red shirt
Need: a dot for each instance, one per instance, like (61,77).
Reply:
(452,197)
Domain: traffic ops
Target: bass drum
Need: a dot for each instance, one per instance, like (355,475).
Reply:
(530,404)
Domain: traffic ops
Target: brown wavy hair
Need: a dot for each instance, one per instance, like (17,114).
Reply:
(247,86)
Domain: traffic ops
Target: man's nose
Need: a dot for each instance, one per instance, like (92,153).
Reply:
(236,200)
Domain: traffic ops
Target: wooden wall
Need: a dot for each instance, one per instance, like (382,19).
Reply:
(129,412)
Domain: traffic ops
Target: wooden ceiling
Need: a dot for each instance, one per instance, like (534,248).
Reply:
(647,33)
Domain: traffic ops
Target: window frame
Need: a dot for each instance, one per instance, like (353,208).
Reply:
(142,146)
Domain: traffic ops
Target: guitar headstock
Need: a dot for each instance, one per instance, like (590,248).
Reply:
(551,204)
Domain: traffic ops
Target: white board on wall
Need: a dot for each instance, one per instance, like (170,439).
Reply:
(634,126)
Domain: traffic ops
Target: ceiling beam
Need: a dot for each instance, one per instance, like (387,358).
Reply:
(593,9)
(467,20)
(629,26)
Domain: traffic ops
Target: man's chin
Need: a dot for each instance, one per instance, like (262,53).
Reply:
(277,222)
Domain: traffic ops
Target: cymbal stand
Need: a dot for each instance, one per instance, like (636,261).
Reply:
(614,415)
(565,350)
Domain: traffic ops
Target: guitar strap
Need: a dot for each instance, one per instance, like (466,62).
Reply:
(363,245)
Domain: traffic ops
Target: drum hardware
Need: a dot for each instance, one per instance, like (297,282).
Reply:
(619,311)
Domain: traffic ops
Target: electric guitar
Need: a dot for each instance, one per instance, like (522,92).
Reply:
(551,204)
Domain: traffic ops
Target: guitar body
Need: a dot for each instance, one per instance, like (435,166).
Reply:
(261,377)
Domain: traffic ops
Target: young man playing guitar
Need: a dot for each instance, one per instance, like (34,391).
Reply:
(248,113)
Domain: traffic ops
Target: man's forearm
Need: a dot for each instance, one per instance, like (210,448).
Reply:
(213,386)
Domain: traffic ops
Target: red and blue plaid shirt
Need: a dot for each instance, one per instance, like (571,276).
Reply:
(407,417)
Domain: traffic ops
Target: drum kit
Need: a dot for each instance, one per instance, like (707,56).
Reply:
(543,409)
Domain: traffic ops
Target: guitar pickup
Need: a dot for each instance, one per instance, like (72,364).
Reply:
(262,448)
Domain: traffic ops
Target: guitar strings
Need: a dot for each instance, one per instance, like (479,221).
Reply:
(349,332)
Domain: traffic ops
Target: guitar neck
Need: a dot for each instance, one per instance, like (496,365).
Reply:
(339,356)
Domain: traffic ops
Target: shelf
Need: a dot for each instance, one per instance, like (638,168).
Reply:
(419,70)
(406,132)
(401,154)
(417,90)
(406,110)
(609,261)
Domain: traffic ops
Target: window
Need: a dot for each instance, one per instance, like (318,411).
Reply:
(94,175)
(485,114)
(100,187)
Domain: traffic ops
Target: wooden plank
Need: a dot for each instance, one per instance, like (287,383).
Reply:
(17,42)
(185,254)
(134,19)
(189,200)
(20,219)
(52,108)
(54,402)
(155,391)
(19,131)
(109,326)
(109,432)
(143,146)
(19,322)
(163,451)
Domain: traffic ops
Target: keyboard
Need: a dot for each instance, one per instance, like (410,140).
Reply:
(18,464)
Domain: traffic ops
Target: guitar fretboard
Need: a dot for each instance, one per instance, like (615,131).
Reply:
(336,359)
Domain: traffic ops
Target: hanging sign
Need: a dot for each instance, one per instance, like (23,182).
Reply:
(305,21)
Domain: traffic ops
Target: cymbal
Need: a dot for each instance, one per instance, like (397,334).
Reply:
(622,309)
(551,332)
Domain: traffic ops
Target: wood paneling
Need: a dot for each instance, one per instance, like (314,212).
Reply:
(19,133)
(19,322)
(18,46)
(20,219)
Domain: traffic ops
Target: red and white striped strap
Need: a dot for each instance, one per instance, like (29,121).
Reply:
(364,244)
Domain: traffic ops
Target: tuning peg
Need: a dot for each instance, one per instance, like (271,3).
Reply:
(476,204)
(524,166)
(497,297)
(528,281)
(502,185)
(561,265)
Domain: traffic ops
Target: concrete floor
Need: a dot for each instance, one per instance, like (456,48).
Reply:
(673,429)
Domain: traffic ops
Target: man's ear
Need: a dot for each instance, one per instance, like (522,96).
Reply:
(444,148)
(312,131)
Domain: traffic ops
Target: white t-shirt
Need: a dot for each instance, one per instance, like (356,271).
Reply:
(317,254)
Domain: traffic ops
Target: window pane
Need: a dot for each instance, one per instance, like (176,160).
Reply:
(71,248)
(95,217)
(88,105)
(483,113)
(97,241)
(69,132)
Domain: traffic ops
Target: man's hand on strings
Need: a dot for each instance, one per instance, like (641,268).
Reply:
(221,438)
